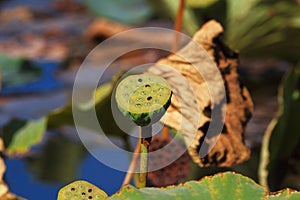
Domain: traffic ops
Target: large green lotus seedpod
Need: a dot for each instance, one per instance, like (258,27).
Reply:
(144,97)
(80,190)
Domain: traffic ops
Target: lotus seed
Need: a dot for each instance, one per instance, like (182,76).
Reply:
(81,187)
(68,194)
(135,92)
(147,86)
(72,189)
(149,98)
(139,99)
(90,197)
(140,80)
(90,190)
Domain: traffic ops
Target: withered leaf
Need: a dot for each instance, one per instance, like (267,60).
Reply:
(197,96)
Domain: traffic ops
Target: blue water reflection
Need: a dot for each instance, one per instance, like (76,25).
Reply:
(23,183)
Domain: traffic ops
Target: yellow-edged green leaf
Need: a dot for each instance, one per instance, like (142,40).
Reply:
(221,186)
(282,136)
(26,136)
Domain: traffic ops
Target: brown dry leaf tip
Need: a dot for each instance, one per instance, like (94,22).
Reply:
(192,102)
(174,173)
(101,28)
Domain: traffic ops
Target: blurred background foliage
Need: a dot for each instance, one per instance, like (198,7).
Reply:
(251,27)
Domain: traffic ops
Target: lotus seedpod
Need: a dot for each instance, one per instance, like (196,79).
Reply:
(144,97)
(80,190)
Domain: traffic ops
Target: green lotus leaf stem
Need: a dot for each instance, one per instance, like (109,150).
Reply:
(145,143)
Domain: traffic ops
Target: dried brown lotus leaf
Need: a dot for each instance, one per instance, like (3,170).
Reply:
(193,119)
(192,96)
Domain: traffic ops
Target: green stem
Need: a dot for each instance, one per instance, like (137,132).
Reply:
(265,155)
(143,164)
(145,142)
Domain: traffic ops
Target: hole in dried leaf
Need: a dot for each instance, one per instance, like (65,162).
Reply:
(226,70)
(205,127)
(224,130)
(207,111)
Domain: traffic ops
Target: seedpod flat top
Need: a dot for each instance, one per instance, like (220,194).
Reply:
(143,94)
(81,190)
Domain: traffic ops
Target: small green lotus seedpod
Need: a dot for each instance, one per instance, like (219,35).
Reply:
(81,190)
(144,97)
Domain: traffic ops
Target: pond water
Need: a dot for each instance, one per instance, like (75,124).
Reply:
(25,182)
